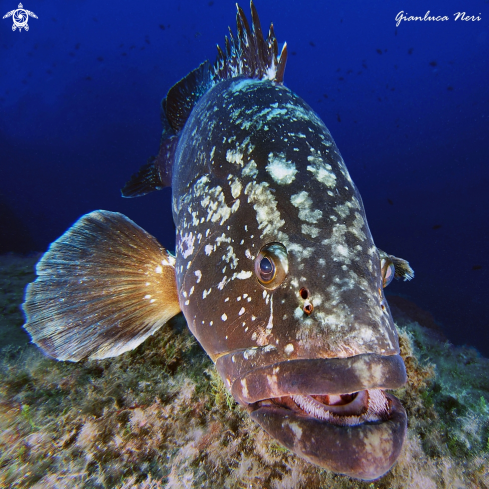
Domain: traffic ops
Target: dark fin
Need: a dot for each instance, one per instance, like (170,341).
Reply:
(402,268)
(102,288)
(183,96)
(249,54)
(155,174)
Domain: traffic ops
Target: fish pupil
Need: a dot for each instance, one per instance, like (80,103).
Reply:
(266,268)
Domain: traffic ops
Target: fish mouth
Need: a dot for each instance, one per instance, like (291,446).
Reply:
(332,412)
(341,410)
(359,435)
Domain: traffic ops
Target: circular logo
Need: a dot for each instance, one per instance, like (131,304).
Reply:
(20,19)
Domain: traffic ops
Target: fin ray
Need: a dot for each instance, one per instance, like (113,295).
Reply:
(102,288)
(249,54)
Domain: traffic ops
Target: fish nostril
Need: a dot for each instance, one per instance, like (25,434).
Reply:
(308,308)
(304,293)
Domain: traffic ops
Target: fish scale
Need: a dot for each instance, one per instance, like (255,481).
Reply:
(275,268)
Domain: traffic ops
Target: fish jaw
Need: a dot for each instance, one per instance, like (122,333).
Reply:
(332,412)
(366,451)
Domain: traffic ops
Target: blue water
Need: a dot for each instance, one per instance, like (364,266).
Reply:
(407,106)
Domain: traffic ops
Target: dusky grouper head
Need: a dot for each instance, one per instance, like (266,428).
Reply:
(275,268)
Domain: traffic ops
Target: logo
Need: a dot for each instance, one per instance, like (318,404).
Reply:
(20,17)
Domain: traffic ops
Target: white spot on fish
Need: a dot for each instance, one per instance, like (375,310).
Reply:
(303,202)
(206,293)
(222,283)
(270,320)
(242,84)
(250,170)
(234,156)
(187,245)
(236,188)
(297,430)
(244,275)
(224,317)
(281,170)
(244,388)
(265,205)
(311,230)
(321,170)
(298,313)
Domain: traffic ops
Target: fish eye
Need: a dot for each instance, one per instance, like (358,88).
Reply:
(388,271)
(271,265)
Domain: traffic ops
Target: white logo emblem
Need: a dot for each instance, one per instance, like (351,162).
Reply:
(20,17)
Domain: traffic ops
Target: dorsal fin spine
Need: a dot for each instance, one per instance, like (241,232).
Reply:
(248,54)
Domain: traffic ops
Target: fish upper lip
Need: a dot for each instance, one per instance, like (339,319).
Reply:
(320,376)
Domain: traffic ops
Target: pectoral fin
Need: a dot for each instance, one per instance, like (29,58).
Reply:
(401,266)
(102,288)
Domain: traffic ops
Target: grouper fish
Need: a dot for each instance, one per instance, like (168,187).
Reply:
(275,268)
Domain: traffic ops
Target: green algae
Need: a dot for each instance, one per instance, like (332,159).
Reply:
(160,416)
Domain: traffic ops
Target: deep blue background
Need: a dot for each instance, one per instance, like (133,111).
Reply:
(407,106)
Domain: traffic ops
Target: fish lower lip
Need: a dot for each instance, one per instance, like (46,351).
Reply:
(364,451)
(342,410)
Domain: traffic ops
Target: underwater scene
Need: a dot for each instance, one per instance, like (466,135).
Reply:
(258,266)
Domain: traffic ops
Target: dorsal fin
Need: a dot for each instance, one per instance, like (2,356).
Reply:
(248,54)
(182,97)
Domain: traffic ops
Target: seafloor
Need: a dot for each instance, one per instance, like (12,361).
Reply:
(160,417)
